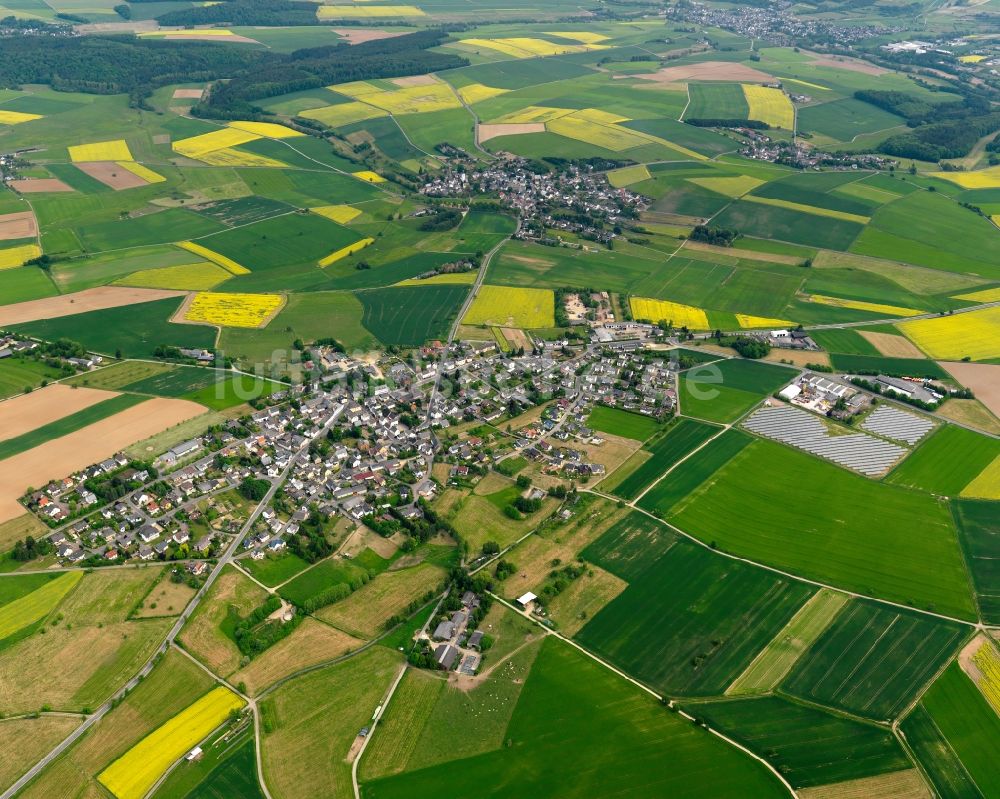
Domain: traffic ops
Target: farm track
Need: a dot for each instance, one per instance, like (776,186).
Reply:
(227,556)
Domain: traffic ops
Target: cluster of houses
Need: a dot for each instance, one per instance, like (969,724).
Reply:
(454,644)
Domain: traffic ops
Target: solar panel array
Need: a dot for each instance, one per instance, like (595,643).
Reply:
(858,451)
(897,424)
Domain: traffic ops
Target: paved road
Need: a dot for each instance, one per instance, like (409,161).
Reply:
(227,556)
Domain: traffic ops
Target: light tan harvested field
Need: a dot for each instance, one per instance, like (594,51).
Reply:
(487,132)
(27,412)
(897,785)
(17,528)
(26,741)
(166,599)
(842,62)
(363,538)
(365,612)
(415,80)
(80,302)
(798,357)
(583,598)
(745,255)
(75,668)
(38,185)
(312,643)
(110,174)
(708,70)
(194,36)
(891,345)
(982,378)
(188,94)
(970,412)
(362,35)
(63,456)
(203,636)
(18,226)
(516,337)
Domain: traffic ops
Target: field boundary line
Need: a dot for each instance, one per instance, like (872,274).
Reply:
(643,687)
(964,622)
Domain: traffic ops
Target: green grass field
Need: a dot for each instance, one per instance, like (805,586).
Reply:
(676,441)
(873,660)
(573,712)
(411,316)
(175,382)
(716,101)
(18,374)
(945,771)
(947,461)
(696,638)
(845,340)
(979,532)
(787,734)
(24,284)
(274,570)
(902,367)
(136,330)
(968,724)
(622,423)
(829,524)
(845,118)
(786,224)
(323,575)
(725,390)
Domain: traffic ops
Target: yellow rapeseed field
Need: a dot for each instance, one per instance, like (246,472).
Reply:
(17,256)
(601,129)
(987,483)
(806,83)
(746,320)
(334,116)
(343,12)
(971,59)
(134,773)
(205,143)
(580,36)
(186,277)
(769,105)
(369,176)
(198,32)
(35,606)
(343,252)
(233,310)
(436,96)
(988,178)
(987,661)
(226,263)
(16,117)
(860,305)
(974,335)
(528,47)
(509,306)
(809,209)
(268,130)
(731,187)
(342,214)
(143,172)
(665,311)
(984,295)
(447,278)
(116,150)
(230,156)
(532,113)
(477,92)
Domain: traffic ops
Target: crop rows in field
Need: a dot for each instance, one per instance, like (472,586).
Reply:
(696,638)
(874,659)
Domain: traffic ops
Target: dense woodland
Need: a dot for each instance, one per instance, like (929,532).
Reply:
(245,12)
(939,130)
(118,64)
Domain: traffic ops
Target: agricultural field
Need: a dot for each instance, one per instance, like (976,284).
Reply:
(622,423)
(838,528)
(869,662)
(978,532)
(510,307)
(690,642)
(601,718)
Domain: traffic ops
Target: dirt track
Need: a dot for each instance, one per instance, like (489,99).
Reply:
(63,456)
(80,302)
(31,411)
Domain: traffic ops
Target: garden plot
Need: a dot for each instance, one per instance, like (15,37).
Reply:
(898,425)
(858,451)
